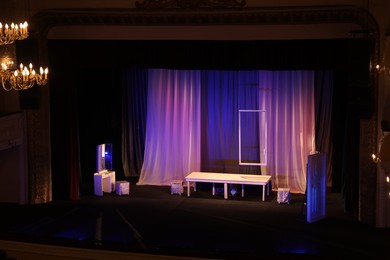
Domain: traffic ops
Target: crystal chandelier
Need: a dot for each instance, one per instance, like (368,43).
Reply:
(8,34)
(11,77)
(22,79)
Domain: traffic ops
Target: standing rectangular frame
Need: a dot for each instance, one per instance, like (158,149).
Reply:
(262,145)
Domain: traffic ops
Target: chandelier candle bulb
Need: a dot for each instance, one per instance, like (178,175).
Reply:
(25,25)
(14,32)
(25,74)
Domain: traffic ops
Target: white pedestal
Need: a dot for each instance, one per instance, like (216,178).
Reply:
(104,181)
(177,187)
(283,195)
(122,188)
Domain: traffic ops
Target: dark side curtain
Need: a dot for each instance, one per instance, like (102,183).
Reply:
(66,168)
(134,111)
(324,81)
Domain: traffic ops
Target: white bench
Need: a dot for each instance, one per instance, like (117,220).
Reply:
(228,178)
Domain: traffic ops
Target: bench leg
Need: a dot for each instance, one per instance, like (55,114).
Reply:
(264,187)
(269,187)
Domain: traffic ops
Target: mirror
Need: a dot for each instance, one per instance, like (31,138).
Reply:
(104,157)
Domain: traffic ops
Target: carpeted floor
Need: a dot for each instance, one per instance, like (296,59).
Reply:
(152,221)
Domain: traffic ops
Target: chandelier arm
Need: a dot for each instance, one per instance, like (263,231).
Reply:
(40,80)
(22,84)
(4,80)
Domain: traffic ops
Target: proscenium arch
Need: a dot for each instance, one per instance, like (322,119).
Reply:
(41,23)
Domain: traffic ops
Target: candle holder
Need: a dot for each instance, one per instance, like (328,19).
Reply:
(10,33)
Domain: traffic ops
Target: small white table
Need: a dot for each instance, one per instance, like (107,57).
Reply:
(228,178)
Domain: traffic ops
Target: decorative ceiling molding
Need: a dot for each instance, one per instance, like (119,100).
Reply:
(43,21)
(189,4)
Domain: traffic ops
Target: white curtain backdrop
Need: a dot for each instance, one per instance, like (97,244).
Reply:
(173,138)
(172,146)
(288,96)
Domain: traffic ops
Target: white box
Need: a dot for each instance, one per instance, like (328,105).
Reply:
(122,187)
(104,181)
(283,195)
(177,187)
